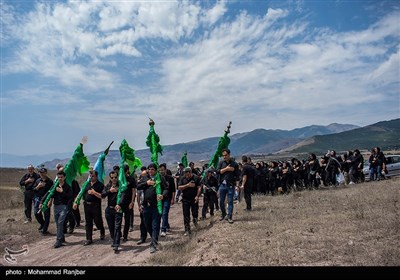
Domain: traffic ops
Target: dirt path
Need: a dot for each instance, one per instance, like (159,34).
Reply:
(100,252)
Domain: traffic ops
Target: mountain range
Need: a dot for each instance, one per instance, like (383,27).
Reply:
(315,138)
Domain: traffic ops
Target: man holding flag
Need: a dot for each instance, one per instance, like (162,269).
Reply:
(154,189)
(152,216)
(228,171)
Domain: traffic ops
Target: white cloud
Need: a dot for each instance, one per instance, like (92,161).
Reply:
(211,16)
(195,68)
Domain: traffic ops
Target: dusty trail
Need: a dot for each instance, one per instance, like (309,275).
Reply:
(100,252)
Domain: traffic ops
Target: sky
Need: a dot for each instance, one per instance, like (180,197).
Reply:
(101,68)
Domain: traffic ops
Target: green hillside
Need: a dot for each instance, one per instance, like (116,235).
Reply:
(384,134)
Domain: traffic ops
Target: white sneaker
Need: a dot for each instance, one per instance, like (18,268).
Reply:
(163,234)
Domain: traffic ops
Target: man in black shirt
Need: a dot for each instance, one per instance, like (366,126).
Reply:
(210,187)
(167,200)
(41,187)
(92,207)
(191,189)
(127,202)
(27,182)
(228,171)
(70,220)
(151,215)
(61,196)
(111,191)
(248,174)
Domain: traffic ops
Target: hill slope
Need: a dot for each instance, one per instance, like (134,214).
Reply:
(385,134)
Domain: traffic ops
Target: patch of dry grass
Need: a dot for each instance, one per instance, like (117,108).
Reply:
(345,226)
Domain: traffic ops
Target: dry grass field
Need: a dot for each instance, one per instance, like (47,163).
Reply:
(344,226)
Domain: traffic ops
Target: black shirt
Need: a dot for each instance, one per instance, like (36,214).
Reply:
(171,186)
(112,196)
(230,177)
(64,197)
(29,186)
(210,184)
(190,193)
(98,187)
(126,196)
(42,191)
(250,171)
(150,195)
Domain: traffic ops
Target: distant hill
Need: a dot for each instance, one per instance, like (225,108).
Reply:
(8,160)
(258,141)
(385,134)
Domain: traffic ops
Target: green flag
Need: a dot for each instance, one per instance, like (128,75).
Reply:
(153,142)
(223,143)
(99,167)
(184,160)
(77,164)
(128,156)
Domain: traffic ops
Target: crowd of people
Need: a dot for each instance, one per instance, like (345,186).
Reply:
(220,188)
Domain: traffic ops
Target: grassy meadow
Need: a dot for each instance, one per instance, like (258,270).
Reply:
(345,226)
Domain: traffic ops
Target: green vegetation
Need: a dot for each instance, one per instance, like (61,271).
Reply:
(383,134)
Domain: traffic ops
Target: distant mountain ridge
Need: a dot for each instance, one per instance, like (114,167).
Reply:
(8,160)
(385,134)
(258,141)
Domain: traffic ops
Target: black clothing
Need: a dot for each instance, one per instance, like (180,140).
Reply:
(28,193)
(92,207)
(171,187)
(126,196)
(150,196)
(230,177)
(111,196)
(70,219)
(188,200)
(91,198)
(250,172)
(42,191)
(190,193)
(29,186)
(64,197)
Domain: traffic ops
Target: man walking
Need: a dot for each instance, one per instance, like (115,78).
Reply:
(228,171)
(27,182)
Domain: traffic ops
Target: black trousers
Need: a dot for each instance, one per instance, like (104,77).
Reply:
(28,202)
(117,228)
(110,218)
(77,215)
(188,205)
(131,217)
(209,200)
(247,197)
(143,229)
(127,219)
(93,214)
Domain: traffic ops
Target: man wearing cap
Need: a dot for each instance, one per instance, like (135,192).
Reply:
(191,189)
(41,187)
(27,182)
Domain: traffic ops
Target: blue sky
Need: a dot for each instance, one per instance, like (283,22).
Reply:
(100,69)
